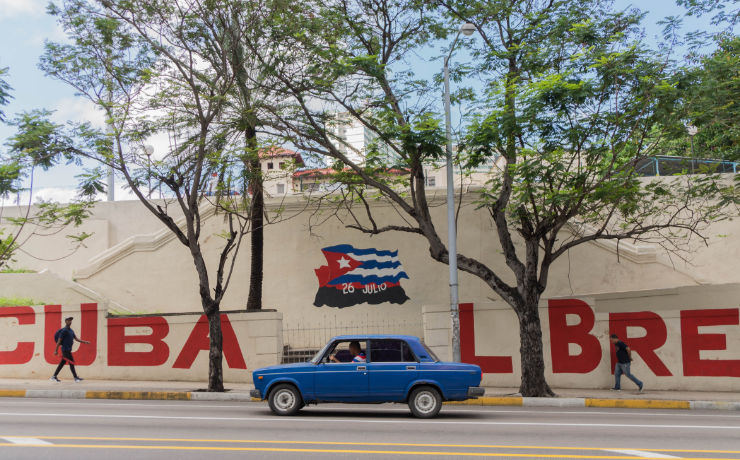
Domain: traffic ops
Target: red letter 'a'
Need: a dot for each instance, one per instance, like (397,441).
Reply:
(693,342)
(198,341)
(561,335)
(88,330)
(117,340)
(488,364)
(23,351)
(655,337)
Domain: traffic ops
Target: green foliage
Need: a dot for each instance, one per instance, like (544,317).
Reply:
(19,302)
(5,89)
(17,270)
(707,97)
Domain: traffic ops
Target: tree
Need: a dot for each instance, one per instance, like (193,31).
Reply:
(142,63)
(569,98)
(707,98)
(18,166)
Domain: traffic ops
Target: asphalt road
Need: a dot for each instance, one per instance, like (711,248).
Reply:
(110,430)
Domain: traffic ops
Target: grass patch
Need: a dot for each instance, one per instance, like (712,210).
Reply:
(19,301)
(17,270)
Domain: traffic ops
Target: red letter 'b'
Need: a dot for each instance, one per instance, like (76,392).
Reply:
(561,335)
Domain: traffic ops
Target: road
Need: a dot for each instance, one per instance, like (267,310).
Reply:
(111,430)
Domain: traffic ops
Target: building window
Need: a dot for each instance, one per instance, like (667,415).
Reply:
(430,181)
(270,165)
(281,165)
(310,187)
(281,189)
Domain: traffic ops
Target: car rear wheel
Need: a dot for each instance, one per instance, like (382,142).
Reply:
(425,402)
(285,399)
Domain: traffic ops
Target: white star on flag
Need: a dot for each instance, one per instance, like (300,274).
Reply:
(343,263)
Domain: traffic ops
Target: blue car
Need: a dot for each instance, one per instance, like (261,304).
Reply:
(369,369)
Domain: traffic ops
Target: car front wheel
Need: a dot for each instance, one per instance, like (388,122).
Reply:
(425,402)
(285,400)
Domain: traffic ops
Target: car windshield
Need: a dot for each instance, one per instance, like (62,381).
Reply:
(430,352)
(317,357)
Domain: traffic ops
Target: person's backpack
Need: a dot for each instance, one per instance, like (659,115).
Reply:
(57,334)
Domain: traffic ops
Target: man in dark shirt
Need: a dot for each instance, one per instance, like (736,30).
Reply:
(624,358)
(66,338)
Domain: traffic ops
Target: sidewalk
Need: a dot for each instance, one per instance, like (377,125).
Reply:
(566,397)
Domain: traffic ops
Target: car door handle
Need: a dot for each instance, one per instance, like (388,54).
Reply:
(410,368)
(361,368)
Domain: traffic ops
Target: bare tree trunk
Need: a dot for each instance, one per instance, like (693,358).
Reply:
(254,301)
(215,355)
(531,351)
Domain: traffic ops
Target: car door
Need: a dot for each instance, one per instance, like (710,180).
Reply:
(343,381)
(393,367)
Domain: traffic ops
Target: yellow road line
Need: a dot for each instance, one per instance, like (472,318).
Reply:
(638,403)
(490,401)
(338,451)
(350,443)
(165,395)
(12,393)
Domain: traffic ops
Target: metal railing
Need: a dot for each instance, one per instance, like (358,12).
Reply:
(663,165)
(302,342)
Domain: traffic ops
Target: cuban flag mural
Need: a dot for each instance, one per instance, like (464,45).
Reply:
(354,276)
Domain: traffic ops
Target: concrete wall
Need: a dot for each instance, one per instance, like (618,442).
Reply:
(144,269)
(155,347)
(155,273)
(685,338)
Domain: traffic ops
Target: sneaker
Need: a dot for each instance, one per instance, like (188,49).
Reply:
(615,389)
(54,379)
(78,380)
(640,390)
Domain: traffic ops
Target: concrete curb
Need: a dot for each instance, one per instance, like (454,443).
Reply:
(483,401)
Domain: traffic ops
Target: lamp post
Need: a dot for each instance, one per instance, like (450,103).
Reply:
(149,150)
(692,130)
(467,29)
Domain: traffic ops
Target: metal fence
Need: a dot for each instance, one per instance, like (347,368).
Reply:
(669,166)
(302,342)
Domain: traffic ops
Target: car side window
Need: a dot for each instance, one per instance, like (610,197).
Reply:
(391,351)
(345,351)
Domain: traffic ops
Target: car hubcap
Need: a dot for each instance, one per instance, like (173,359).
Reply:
(425,402)
(284,400)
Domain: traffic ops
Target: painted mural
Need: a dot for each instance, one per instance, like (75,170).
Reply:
(355,276)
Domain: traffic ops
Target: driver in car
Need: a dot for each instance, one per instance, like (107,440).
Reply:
(355,350)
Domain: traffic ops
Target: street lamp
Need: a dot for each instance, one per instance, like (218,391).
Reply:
(692,130)
(149,150)
(467,29)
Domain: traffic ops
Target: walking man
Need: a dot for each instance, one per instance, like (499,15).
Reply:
(65,338)
(624,358)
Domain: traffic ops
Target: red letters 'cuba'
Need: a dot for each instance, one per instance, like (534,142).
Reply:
(117,340)
(198,341)
(488,364)
(692,342)
(561,335)
(88,330)
(654,338)
(23,351)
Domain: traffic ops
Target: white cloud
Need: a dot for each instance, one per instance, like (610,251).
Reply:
(78,109)
(14,8)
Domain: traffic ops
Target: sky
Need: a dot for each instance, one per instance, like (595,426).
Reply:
(24,26)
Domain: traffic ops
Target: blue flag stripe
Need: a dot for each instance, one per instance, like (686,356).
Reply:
(349,278)
(376,264)
(349,249)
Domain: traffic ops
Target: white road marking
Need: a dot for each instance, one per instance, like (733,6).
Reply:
(28,441)
(640,453)
(384,421)
(235,405)
(331,408)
